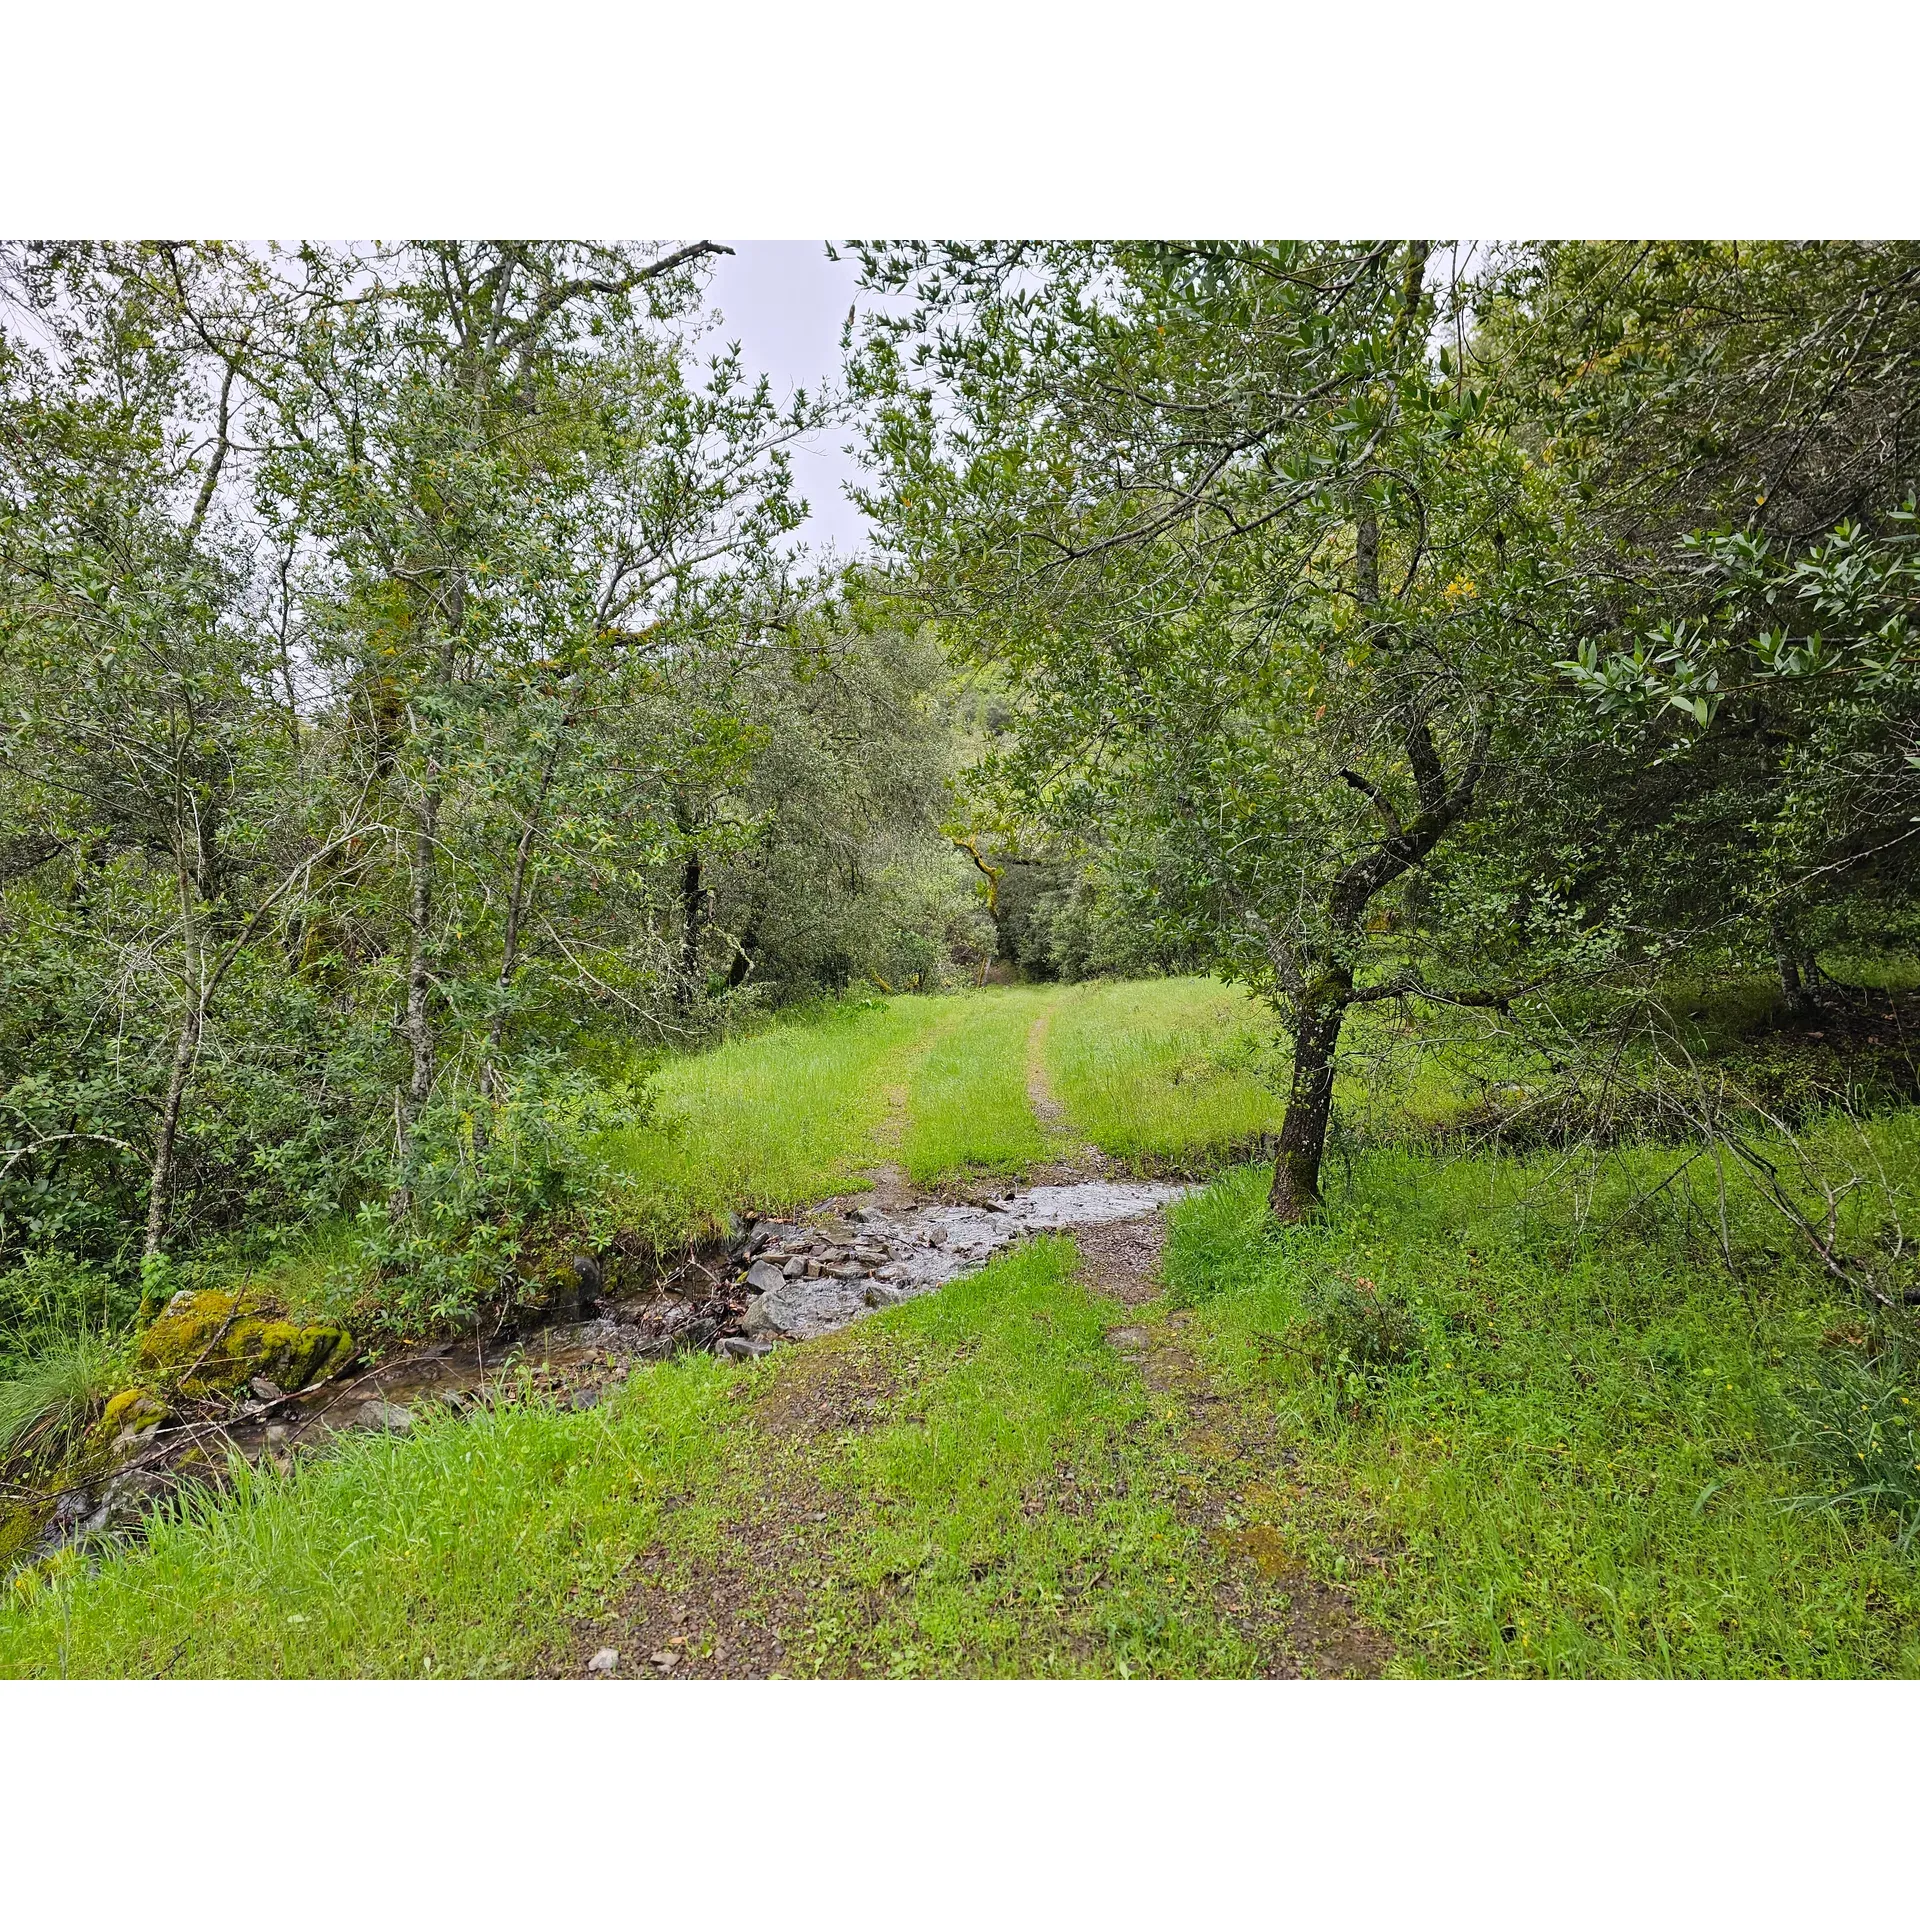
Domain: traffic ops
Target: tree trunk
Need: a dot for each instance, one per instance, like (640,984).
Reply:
(692,903)
(1295,1193)
(490,1082)
(1795,987)
(160,1181)
(203,984)
(517,903)
(426,853)
(186,1045)
(743,959)
(1322,1009)
(418,1022)
(419,1025)
(519,899)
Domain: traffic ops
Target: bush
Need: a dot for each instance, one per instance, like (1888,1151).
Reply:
(1355,1337)
(491,1182)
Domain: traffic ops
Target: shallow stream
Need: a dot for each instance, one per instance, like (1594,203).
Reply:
(821,1273)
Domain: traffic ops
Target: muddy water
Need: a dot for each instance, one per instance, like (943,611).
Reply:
(817,1275)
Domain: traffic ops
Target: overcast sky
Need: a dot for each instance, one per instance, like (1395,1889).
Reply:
(785,302)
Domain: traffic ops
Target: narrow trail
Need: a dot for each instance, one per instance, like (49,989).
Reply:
(1076,1158)
(1232,1462)
(746,1604)
(891,1186)
(1051,1115)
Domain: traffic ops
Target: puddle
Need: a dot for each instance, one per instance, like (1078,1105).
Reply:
(817,1275)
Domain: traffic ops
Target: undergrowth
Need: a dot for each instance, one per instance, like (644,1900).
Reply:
(1574,1456)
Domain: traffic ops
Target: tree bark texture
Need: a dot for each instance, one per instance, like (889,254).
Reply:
(518,900)
(419,1023)
(160,1176)
(1796,978)
(693,901)
(1295,1193)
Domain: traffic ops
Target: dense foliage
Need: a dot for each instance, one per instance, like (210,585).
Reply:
(1421,623)
(412,692)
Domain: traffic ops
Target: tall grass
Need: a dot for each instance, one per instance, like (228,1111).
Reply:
(53,1388)
(967,1102)
(469,1548)
(1165,1069)
(773,1120)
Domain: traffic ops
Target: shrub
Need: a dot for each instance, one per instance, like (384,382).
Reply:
(1355,1337)
(490,1184)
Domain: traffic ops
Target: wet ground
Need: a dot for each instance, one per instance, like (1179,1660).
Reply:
(783,1279)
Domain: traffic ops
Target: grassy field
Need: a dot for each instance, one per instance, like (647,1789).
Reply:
(775,1119)
(967,1101)
(1576,1469)
(1158,1070)
(1479,1421)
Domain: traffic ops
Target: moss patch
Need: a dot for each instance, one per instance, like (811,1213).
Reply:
(131,1410)
(216,1341)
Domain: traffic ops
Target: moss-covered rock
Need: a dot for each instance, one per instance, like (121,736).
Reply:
(131,1412)
(216,1341)
(21,1524)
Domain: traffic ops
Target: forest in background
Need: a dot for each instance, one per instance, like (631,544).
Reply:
(415,705)
(420,723)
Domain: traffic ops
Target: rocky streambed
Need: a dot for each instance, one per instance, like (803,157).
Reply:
(778,1279)
(822,1272)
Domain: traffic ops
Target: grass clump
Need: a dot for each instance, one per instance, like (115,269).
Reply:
(1226,1241)
(1355,1336)
(1854,1418)
(53,1389)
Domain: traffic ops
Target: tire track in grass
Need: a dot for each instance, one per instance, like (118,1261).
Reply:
(1075,1157)
(968,1107)
(1046,1109)
(1227,1458)
(748,1600)
(891,1184)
